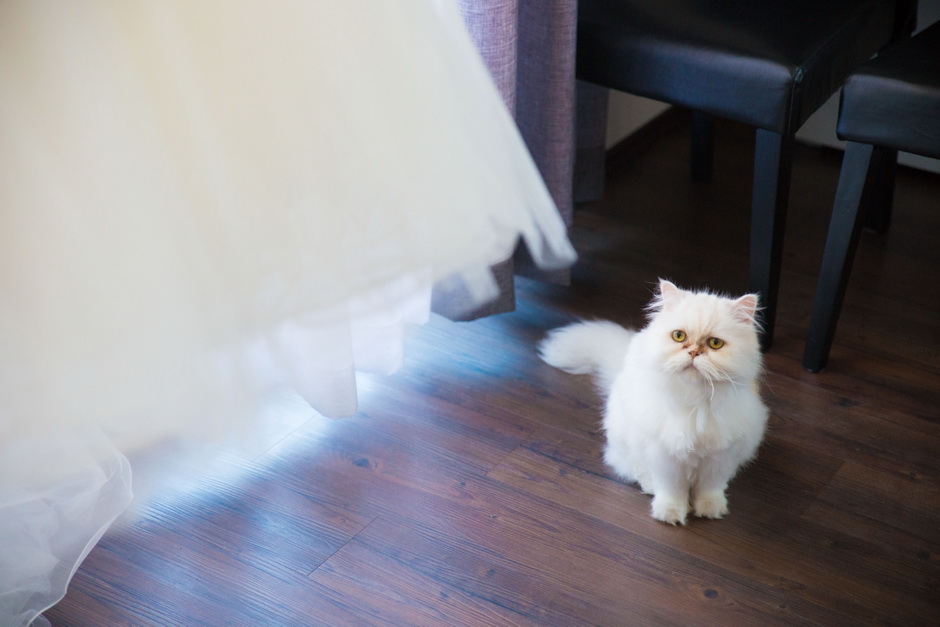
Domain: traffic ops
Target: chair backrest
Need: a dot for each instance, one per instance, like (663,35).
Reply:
(894,99)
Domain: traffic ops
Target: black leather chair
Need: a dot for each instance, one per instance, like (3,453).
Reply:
(890,103)
(767,63)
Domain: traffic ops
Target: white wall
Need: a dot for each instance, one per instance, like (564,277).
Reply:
(626,113)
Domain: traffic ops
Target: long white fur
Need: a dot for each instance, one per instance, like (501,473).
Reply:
(596,347)
(681,431)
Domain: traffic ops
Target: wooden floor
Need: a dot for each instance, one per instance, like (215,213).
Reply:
(470,491)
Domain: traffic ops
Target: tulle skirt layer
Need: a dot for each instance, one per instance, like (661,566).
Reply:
(203,200)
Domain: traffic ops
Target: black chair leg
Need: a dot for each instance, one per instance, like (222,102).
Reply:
(773,163)
(878,197)
(844,231)
(702,146)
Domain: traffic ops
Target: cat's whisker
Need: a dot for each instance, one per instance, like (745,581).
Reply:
(724,376)
(711,384)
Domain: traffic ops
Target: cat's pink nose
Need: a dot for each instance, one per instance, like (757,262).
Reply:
(695,351)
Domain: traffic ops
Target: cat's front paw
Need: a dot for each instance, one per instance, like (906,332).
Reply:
(670,511)
(711,505)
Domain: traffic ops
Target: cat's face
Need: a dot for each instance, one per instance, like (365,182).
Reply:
(704,337)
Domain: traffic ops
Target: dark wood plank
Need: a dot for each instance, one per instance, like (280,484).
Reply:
(470,487)
(816,566)
(388,575)
(906,518)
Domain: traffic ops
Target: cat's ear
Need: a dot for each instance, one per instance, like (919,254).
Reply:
(669,294)
(745,309)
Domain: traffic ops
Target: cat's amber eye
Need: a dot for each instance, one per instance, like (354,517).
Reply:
(678,336)
(715,343)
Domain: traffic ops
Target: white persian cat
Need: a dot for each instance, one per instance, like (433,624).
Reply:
(683,410)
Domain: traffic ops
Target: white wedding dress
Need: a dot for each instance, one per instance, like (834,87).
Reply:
(200,201)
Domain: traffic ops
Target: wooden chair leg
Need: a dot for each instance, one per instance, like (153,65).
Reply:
(878,197)
(844,230)
(702,146)
(773,163)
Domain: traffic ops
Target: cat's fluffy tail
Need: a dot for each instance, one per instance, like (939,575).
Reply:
(596,347)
